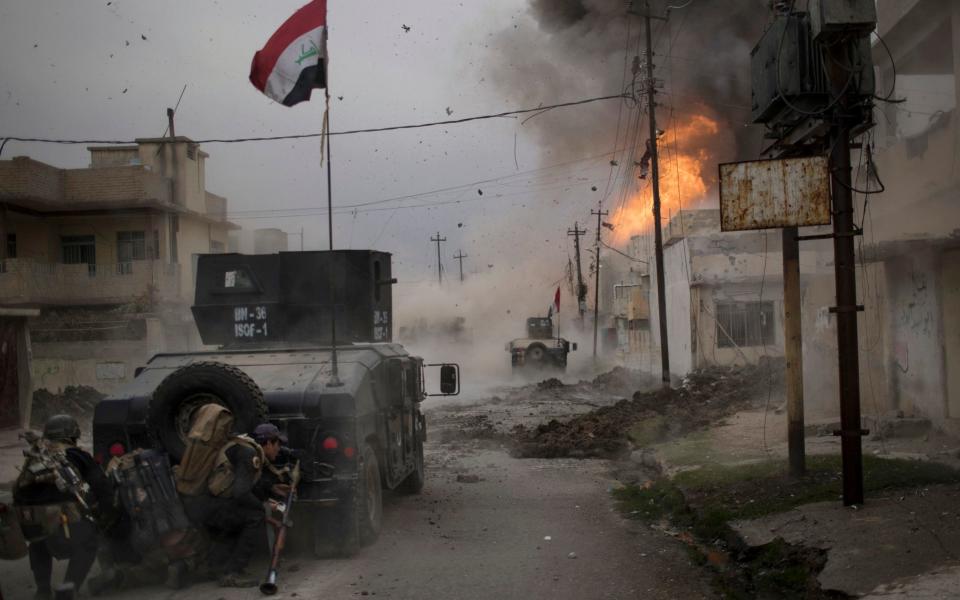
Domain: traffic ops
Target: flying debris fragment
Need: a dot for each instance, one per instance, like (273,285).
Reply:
(480,192)
(405,28)
(613,163)
(449,112)
(143,37)
(459,224)
(593,188)
(609,226)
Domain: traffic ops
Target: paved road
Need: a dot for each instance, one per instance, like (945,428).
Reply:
(484,540)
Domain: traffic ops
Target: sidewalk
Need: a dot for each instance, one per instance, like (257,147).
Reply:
(900,543)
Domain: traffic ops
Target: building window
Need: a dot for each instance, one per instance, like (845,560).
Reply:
(744,324)
(11,245)
(216,247)
(78,250)
(131,246)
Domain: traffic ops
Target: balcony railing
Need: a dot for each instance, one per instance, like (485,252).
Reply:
(25,281)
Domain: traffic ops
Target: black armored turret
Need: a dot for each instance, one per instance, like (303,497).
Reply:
(287,298)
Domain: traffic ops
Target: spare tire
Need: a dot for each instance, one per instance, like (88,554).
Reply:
(536,356)
(182,392)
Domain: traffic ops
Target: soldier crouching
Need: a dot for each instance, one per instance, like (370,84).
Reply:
(59,495)
(220,495)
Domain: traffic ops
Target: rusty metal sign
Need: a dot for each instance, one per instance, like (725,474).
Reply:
(765,194)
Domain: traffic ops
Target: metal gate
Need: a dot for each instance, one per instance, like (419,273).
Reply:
(9,375)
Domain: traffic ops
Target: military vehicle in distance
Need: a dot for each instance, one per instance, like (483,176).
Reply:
(351,411)
(540,349)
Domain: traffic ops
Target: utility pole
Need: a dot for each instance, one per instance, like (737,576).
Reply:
(460,256)
(576,232)
(845,275)
(655,184)
(793,351)
(439,239)
(596,286)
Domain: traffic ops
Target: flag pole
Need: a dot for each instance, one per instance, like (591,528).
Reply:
(334,370)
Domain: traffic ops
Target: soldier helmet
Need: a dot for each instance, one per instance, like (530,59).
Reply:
(61,428)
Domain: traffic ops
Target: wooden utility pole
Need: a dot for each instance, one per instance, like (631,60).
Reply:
(439,239)
(845,275)
(576,232)
(596,286)
(460,256)
(793,350)
(655,184)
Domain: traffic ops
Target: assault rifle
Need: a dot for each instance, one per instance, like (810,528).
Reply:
(269,586)
(52,466)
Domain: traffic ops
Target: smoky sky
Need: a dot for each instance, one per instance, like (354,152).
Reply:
(702,59)
(109,69)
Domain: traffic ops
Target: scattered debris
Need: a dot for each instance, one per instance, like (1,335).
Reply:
(704,397)
(572,555)
(463,478)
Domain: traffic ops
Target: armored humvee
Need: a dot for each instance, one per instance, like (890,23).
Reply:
(350,411)
(540,349)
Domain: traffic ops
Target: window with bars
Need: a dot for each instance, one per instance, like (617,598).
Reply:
(744,324)
(131,246)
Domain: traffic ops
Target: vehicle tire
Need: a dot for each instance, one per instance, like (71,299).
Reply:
(170,411)
(369,498)
(414,482)
(342,532)
(536,356)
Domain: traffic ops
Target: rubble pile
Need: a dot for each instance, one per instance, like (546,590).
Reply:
(624,382)
(550,384)
(702,398)
(75,400)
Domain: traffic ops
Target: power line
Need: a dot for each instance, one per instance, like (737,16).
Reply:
(508,113)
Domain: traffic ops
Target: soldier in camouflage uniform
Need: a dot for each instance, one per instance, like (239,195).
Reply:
(59,495)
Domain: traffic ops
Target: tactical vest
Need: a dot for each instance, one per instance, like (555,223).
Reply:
(222,476)
(39,521)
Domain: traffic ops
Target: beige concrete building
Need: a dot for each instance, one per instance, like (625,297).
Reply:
(107,254)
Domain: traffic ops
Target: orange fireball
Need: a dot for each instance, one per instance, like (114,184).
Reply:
(687,171)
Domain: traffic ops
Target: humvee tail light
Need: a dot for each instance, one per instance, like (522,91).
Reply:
(330,443)
(117,449)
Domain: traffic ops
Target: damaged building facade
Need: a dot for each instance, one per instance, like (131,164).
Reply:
(724,291)
(103,258)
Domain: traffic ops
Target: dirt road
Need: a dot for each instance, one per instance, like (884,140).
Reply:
(529,528)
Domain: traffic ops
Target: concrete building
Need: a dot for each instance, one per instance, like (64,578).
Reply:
(107,255)
(912,229)
(724,298)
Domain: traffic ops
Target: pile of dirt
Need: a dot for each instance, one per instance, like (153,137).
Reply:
(624,382)
(76,400)
(550,384)
(703,398)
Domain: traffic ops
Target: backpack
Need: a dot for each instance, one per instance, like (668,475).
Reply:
(222,477)
(208,434)
(148,494)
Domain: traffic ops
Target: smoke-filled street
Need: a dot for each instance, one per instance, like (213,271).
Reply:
(487,524)
(511,299)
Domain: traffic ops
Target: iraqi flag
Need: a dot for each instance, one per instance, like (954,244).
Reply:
(294,60)
(555,306)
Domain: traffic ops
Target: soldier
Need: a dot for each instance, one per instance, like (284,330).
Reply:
(274,482)
(226,505)
(59,494)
